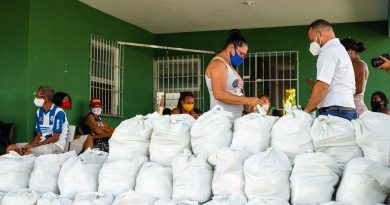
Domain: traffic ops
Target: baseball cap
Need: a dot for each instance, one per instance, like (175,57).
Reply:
(95,102)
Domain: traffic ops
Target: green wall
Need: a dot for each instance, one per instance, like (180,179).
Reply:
(45,42)
(373,34)
(13,63)
(56,53)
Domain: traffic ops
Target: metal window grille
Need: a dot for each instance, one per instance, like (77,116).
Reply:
(271,73)
(106,74)
(175,74)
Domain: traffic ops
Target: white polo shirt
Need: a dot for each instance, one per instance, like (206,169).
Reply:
(334,67)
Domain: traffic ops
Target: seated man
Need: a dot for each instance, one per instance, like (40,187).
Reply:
(96,126)
(271,110)
(51,127)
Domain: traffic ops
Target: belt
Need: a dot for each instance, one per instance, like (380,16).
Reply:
(344,109)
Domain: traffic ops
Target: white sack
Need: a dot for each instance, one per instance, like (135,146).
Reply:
(313,178)
(252,132)
(53,199)
(171,135)
(173,202)
(117,177)
(228,178)
(132,137)
(226,200)
(15,171)
(20,196)
(44,176)
(165,202)
(373,137)
(134,198)
(267,202)
(267,175)
(80,174)
(155,179)
(335,136)
(2,195)
(361,186)
(93,198)
(212,131)
(291,133)
(191,178)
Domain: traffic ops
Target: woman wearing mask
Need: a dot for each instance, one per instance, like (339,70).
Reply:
(223,82)
(185,105)
(379,103)
(361,72)
(97,127)
(80,142)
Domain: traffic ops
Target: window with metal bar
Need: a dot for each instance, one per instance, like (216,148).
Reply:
(272,74)
(106,74)
(175,74)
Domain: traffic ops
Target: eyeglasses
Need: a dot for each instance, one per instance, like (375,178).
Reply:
(40,96)
(241,53)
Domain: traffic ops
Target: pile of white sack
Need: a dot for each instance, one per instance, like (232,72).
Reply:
(215,160)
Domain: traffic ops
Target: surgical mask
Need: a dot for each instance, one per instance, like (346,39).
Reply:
(236,60)
(39,102)
(188,107)
(97,111)
(66,104)
(376,106)
(315,48)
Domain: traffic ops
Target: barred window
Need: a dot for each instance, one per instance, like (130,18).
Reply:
(106,75)
(271,73)
(175,74)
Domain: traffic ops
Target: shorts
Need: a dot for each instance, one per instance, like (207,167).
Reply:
(76,144)
(43,149)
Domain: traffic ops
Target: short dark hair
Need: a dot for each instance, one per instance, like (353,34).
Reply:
(235,38)
(166,111)
(47,91)
(319,23)
(382,96)
(59,97)
(351,44)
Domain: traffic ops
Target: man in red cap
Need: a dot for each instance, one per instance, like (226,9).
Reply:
(96,126)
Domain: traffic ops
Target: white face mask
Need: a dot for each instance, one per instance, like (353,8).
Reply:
(97,111)
(315,48)
(39,102)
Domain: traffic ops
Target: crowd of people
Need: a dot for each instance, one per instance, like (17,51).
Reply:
(52,126)
(338,90)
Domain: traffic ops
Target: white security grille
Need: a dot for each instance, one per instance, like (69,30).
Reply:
(106,74)
(271,73)
(175,74)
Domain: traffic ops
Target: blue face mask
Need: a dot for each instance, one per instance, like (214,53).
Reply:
(236,60)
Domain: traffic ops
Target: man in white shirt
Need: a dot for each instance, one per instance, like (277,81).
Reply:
(51,127)
(335,86)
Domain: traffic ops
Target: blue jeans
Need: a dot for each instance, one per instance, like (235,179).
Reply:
(340,112)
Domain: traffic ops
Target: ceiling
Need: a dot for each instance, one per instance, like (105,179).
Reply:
(171,16)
